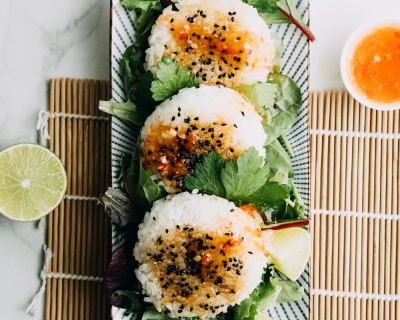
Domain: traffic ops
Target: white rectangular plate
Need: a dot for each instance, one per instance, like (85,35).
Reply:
(295,64)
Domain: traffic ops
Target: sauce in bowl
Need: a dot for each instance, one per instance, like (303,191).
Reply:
(375,65)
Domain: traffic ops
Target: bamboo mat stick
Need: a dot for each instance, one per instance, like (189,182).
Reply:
(72,151)
(56,260)
(77,269)
(329,205)
(371,208)
(85,187)
(61,208)
(384,257)
(50,218)
(378,159)
(360,278)
(323,203)
(395,265)
(68,203)
(96,190)
(75,208)
(353,207)
(336,207)
(389,210)
(342,240)
(365,189)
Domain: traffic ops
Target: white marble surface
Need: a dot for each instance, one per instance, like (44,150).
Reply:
(39,40)
(51,38)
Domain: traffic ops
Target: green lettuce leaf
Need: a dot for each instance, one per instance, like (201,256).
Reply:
(261,95)
(136,80)
(271,291)
(125,110)
(142,189)
(170,79)
(285,109)
(147,11)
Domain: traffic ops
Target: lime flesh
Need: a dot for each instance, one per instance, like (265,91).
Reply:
(289,250)
(32,182)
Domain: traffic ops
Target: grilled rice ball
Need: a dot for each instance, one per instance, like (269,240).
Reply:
(221,41)
(185,128)
(198,255)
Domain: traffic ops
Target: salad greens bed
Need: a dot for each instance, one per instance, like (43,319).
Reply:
(267,185)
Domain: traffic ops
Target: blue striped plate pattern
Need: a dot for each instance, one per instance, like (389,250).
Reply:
(295,64)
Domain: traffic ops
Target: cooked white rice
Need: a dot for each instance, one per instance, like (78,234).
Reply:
(231,258)
(194,122)
(222,41)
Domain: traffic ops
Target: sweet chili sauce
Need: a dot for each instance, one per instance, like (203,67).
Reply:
(375,65)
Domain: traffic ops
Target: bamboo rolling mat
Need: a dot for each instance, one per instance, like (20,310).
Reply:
(355,210)
(79,230)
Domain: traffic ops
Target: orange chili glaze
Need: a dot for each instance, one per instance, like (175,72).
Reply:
(250,210)
(375,65)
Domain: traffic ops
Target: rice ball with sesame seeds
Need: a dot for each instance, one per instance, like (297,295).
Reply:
(196,121)
(198,255)
(221,41)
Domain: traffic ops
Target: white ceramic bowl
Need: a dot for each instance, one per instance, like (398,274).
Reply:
(347,54)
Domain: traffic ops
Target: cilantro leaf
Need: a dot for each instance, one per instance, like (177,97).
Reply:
(170,79)
(270,195)
(244,176)
(207,177)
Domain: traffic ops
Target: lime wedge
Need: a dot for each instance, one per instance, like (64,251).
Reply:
(289,250)
(32,182)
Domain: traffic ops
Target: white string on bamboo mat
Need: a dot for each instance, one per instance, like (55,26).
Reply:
(355,214)
(66,276)
(45,274)
(81,198)
(31,309)
(43,122)
(355,295)
(356,134)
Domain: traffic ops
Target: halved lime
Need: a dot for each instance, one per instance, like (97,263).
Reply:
(32,182)
(289,250)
